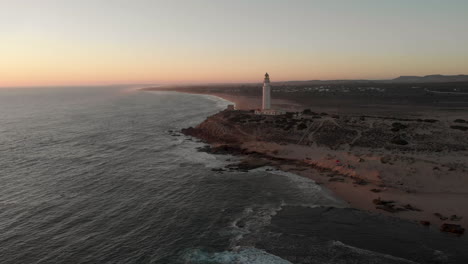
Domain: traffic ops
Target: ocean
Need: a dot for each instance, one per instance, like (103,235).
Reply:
(101,175)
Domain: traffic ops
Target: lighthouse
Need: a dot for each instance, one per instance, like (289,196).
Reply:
(266,103)
(266,100)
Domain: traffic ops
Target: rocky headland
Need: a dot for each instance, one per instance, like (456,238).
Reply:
(406,167)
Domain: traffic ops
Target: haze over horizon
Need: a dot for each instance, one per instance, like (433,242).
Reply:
(54,42)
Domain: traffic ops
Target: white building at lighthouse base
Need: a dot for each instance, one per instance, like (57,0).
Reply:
(269,112)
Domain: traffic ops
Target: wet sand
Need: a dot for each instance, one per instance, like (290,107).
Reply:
(431,195)
(357,237)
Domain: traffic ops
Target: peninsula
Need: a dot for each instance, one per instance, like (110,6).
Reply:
(377,157)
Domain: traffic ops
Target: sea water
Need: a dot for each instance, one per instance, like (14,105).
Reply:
(100,175)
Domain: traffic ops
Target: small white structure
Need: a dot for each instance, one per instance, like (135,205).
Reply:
(231,107)
(269,112)
(266,100)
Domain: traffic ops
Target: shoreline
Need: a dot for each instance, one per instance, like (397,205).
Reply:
(355,192)
(241,102)
(358,178)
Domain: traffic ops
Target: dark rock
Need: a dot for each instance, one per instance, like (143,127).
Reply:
(375,190)
(451,228)
(389,208)
(409,207)
(226,149)
(360,182)
(222,150)
(204,149)
(241,224)
(441,217)
(399,126)
(336,180)
(385,159)
(459,121)
(387,205)
(462,128)
(455,218)
(248,164)
(188,131)
(379,201)
(301,126)
(425,223)
(398,141)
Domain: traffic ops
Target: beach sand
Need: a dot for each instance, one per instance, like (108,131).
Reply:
(361,178)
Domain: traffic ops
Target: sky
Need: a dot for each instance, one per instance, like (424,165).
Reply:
(89,42)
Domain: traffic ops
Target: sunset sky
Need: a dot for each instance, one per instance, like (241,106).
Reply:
(87,42)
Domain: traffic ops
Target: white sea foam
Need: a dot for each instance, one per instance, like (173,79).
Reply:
(247,256)
(221,103)
(189,152)
(313,194)
(253,220)
(383,258)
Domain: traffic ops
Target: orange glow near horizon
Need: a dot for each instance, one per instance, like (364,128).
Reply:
(93,43)
(61,66)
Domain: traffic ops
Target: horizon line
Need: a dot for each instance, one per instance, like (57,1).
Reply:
(211,83)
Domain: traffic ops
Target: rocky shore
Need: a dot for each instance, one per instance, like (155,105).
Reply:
(412,168)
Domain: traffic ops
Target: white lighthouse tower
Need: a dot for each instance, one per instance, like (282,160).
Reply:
(266,104)
(266,100)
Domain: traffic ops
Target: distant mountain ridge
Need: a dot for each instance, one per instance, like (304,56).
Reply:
(432,78)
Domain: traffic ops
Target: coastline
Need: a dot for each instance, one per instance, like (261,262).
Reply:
(241,102)
(345,185)
(361,178)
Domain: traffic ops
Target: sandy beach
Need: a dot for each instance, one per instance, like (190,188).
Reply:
(419,192)
(240,100)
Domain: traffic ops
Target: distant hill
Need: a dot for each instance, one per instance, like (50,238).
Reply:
(435,78)
(324,82)
(431,78)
